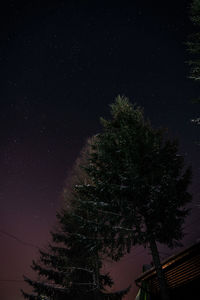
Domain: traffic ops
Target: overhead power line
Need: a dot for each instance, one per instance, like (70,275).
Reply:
(11,280)
(18,239)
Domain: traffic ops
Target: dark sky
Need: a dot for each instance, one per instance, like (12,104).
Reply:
(61,64)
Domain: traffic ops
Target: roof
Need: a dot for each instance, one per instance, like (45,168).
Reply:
(179,269)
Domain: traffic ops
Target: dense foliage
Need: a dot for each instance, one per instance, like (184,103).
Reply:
(139,185)
(194,41)
(193,46)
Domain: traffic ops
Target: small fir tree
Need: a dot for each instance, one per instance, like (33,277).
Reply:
(71,268)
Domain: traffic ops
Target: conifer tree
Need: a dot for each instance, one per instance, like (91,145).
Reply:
(193,44)
(138,186)
(71,268)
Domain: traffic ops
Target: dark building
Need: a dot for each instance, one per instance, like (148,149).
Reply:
(182,272)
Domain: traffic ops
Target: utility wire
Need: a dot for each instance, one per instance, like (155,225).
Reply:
(18,239)
(11,280)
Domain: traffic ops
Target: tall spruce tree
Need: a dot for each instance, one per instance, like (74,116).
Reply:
(193,46)
(193,43)
(138,186)
(71,267)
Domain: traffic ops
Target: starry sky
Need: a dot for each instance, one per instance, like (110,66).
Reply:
(61,64)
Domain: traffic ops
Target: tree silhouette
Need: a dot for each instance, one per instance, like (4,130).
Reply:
(138,186)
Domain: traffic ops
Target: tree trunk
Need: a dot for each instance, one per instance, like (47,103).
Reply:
(97,295)
(160,274)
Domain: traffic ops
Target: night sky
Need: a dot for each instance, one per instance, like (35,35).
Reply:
(61,64)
